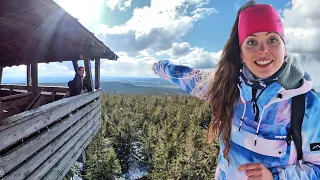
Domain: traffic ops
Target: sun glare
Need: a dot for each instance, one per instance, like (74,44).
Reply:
(87,11)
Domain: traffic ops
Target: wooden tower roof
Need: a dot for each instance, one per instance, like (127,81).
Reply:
(41,31)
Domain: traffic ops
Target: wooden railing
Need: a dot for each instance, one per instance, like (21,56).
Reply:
(45,142)
(56,92)
(10,105)
(57,89)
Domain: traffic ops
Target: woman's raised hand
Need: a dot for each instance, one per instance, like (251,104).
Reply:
(256,171)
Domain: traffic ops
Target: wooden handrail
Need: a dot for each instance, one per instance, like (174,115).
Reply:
(15,96)
(59,89)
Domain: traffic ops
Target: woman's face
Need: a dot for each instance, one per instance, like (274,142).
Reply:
(263,53)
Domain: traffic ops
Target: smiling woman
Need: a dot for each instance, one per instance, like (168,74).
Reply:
(253,92)
(86,11)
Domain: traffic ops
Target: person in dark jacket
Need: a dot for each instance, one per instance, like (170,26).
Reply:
(76,86)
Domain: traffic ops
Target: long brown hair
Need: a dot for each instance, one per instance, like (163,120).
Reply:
(223,92)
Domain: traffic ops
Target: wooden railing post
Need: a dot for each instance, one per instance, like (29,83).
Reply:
(75,65)
(53,95)
(97,73)
(34,75)
(28,77)
(1,71)
(11,90)
(88,77)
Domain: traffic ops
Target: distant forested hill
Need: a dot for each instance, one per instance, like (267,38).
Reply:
(127,88)
(133,87)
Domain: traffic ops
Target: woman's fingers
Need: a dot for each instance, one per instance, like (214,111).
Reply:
(254,172)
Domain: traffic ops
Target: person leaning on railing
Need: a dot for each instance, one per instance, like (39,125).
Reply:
(76,86)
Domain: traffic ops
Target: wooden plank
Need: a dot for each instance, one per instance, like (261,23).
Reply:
(62,106)
(15,103)
(52,166)
(27,127)
(88,78)
(50,155)
(75,66)
(28,77)
(68,166)
(15,96)
(34,76)
(17,156)
(67,157)
(97,73)
(42,162)
(70,158)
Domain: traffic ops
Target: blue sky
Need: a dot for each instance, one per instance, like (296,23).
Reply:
(190,32)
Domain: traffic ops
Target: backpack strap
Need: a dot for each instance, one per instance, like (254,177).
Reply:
(297,114)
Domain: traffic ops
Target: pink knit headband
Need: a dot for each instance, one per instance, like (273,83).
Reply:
(259,18)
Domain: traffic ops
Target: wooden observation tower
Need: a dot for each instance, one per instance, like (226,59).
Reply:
(43,132)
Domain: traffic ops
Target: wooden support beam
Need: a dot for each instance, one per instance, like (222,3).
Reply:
(97,73)
(34,76)
(28,77)
(38,102)
(32,101)
(88,79)
(75,65)
(1,71)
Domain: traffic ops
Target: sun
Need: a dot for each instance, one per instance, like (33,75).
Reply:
(87,11)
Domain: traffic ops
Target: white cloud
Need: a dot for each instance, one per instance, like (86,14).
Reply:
(87,11)
(199,58)
(14,71)
(183,53)
(303,13)
(51,69)
(312,68)
(121,4)
(180,49)
(128,66)
(302,28)
(155,27)
(304,41)
(112,3)
(44,70)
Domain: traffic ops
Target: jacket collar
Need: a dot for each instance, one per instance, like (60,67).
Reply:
(292,82)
